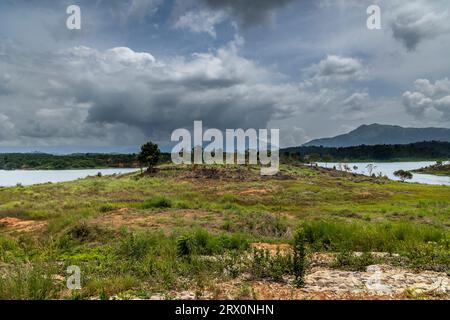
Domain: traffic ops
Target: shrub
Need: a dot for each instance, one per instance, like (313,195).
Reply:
(9,248)
(200,242)
(158,202)
(105,288)
(107,208)
(265,265)
(149,155)
(363,237)
(352,261)
(184,246)
(13,213)
(83,232)
(298,264)
(29,283)
(136,246)
(403,175)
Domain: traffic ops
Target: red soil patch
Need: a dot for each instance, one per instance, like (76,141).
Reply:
(18,225)
(255,191)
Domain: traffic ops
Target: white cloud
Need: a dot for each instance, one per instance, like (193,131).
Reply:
(336,68)
(142,8)
(429,101)
(413,27)
(200,21)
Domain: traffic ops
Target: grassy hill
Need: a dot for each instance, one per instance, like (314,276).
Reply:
(218,233)
(440,170)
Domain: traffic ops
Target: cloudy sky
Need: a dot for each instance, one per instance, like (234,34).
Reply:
(139,69)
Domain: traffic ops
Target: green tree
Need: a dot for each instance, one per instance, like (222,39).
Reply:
(149,155)
(313,158)
(327,158)
(403,175)
(299,259)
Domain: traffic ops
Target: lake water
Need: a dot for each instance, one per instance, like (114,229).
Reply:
(30,177)
(388,169)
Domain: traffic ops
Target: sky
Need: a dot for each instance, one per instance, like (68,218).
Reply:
(139,69)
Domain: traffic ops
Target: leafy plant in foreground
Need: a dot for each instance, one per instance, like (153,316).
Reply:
(298,265)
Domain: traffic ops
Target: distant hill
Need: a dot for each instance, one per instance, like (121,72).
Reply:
(430,151)
(376,134)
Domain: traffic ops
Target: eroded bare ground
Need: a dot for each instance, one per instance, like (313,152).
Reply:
(326,283)
(11,224)
(322,282)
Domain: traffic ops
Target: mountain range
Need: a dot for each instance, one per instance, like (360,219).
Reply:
(376,134)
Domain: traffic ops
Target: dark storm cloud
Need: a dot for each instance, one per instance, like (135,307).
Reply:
(134,73)
(249,12)
(414,27)
(82,94)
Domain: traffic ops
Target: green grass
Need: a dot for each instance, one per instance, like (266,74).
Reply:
(158,202)
(26,282)
(440,170)
(190,231)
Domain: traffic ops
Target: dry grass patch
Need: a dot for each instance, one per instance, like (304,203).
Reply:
(165,220)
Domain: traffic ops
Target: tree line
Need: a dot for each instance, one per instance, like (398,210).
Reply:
(433,150)
(43,161)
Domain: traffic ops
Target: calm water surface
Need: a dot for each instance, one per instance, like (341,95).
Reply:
(388,169)
(30,177)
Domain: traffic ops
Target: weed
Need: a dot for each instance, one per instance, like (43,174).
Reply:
(29,283)
(158,202)
(351,261)
(299,258)
(84,232)
(265,265)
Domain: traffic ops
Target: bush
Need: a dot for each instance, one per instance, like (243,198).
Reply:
(264,265)
(149,155)
(137,245)
(403,175)
(363,237)
(158,202)
(29,283)
(299,259)
(9,248)
(352,261)
(185,246)
(107,208)
(81,232)
(200,242)
(431,256)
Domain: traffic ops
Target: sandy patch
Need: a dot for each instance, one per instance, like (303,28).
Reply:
(272,248)
(256,191)
(17,225)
